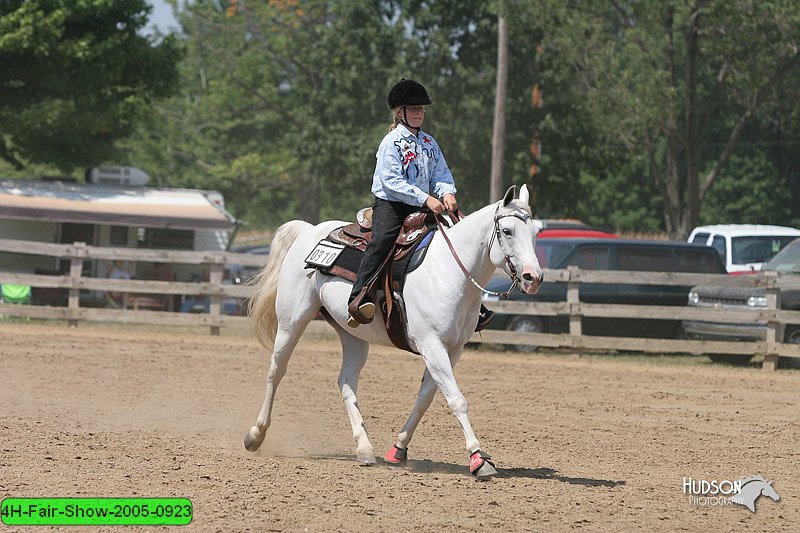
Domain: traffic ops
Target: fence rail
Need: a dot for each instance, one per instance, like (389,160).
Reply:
(773,317)
(77,253)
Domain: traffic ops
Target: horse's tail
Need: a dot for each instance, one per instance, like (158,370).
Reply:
(261,308)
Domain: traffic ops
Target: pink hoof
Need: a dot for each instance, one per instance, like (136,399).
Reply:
(396,455)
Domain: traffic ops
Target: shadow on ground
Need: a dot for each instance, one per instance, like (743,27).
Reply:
(426,466)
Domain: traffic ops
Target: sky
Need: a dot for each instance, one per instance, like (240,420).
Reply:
(162,17)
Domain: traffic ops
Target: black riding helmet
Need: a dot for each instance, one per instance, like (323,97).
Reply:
(408,92)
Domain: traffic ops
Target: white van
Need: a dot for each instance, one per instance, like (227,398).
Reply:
(744,248)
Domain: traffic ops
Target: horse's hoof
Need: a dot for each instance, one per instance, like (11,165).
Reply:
(251,443)
(366,457)
(396,455)
(481,465)
(487,471)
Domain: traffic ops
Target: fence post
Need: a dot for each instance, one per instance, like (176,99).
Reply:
(573,299)
(774,327)
(215,278)
(75,272)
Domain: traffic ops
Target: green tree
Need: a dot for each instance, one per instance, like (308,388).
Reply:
(286,100)
(282,106)
(681,82)
(75,77)
(750,191)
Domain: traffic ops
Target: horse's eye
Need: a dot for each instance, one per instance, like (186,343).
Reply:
(507,232)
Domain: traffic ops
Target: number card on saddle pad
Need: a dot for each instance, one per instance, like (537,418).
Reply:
(324,254)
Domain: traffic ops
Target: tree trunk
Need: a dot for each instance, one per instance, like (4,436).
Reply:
(499,133)
(673,211)
(310,200)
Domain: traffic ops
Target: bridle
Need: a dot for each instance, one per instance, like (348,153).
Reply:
(512,272)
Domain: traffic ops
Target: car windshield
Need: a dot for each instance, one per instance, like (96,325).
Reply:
(551,254)
(787,260)
(757,249)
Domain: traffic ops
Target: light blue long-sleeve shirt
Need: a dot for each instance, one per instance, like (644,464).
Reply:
(410,168)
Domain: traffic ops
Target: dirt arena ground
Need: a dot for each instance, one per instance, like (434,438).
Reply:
(580,443)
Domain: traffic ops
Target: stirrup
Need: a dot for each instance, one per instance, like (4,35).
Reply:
(362,315)
(484,318)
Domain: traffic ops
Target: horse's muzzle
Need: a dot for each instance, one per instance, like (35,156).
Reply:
(531,280)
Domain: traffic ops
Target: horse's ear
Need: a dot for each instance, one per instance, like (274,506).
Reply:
(524,195)
(509,195)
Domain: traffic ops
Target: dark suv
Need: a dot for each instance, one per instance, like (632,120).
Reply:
(610,254)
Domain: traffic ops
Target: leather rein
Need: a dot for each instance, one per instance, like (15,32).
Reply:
(496,234)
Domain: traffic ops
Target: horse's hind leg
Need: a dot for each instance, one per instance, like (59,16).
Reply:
(354,356)
(427,390)
(289,332)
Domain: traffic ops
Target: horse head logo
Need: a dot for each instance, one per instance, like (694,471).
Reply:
(752,488)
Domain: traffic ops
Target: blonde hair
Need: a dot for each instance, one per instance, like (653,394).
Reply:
(394,123)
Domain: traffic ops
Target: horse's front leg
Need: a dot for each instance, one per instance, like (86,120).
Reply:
(427,390)
(438,363)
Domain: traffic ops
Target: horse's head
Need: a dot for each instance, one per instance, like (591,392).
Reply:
(515,231)
(769,491)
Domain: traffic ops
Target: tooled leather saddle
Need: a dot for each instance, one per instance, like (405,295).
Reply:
(358,234)
(409,251)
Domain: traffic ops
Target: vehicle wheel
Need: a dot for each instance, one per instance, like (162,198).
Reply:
(731,359)
(792,336)
(525,324)
(681,335)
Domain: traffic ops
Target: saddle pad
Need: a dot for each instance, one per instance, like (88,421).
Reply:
(346,264)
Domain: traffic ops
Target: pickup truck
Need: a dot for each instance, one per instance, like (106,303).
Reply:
(744,248)
(787,264)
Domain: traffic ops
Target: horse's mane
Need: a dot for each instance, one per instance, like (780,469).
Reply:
(749,479)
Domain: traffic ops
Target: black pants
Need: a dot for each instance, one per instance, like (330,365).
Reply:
(387,220)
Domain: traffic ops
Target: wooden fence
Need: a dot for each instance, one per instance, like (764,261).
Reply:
(74,282)
(774,317)
(771,348)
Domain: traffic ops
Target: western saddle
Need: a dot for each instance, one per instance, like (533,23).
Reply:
(358,234)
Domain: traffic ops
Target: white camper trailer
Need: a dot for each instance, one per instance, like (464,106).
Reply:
(106,215)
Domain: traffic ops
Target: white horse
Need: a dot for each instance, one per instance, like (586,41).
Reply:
(287,298)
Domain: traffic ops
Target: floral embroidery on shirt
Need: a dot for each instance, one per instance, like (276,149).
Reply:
(408,151)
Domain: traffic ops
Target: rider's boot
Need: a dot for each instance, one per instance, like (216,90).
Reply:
(361,311)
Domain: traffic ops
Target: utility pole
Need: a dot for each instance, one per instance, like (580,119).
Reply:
(501,88)
(536,144)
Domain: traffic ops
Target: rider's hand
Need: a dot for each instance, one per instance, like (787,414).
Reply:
(450,202)
(434,205)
